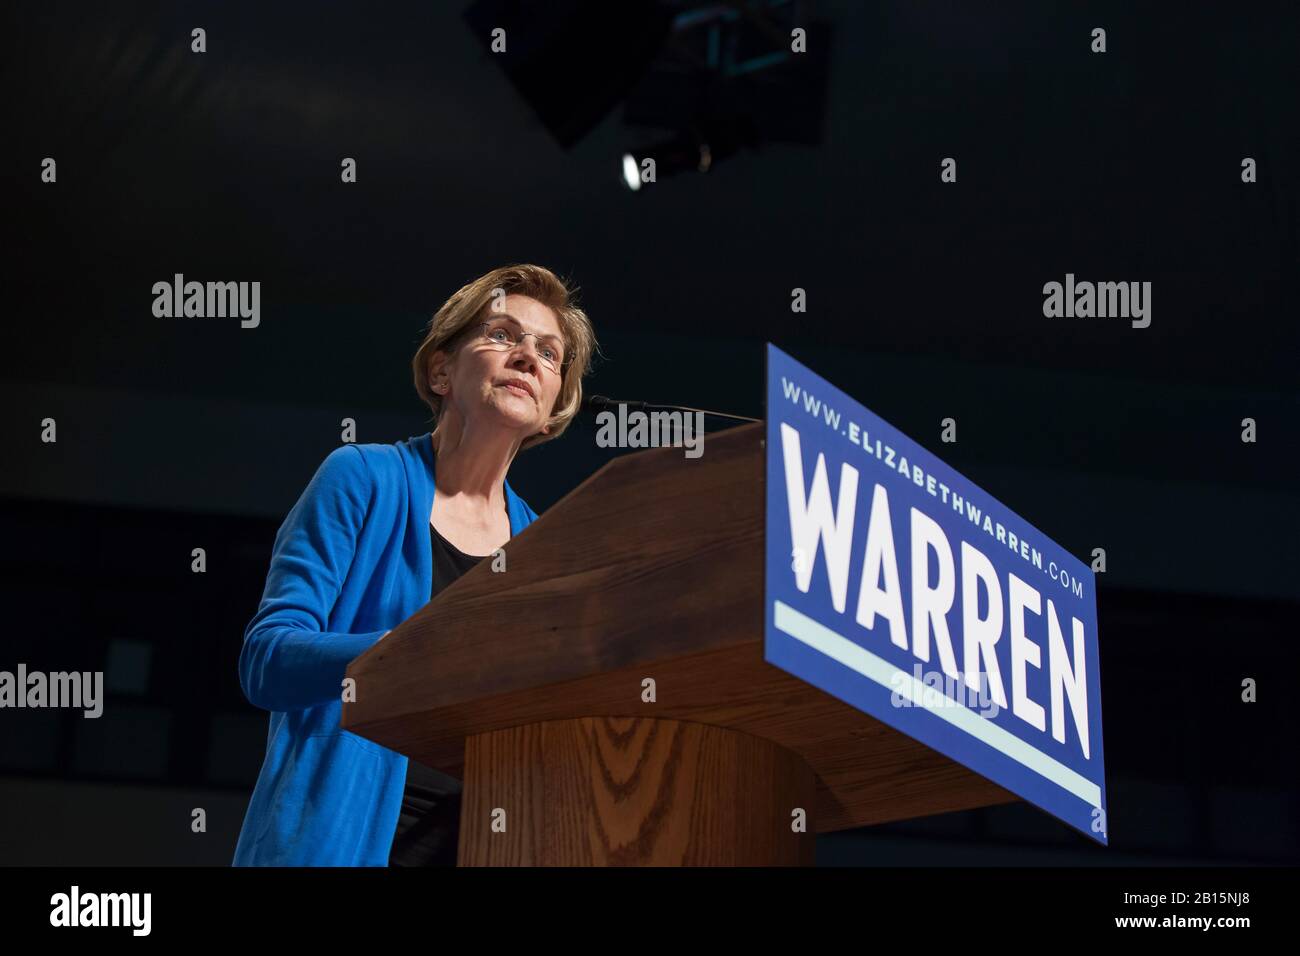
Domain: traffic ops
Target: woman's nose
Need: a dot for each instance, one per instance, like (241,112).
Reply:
(532,349)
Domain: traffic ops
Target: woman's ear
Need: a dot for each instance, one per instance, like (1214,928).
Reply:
(439,372)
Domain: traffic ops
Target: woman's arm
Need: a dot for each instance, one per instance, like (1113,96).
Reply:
(289,661)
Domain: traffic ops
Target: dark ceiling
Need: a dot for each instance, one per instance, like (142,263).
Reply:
(1122,166)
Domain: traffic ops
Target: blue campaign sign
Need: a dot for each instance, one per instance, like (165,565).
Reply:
(900,587)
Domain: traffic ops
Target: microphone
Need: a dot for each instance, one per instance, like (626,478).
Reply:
(594,404)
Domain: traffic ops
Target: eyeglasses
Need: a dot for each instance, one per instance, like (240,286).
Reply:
(503,337)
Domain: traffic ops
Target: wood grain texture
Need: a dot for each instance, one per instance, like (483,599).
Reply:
(651,568)
(609,791)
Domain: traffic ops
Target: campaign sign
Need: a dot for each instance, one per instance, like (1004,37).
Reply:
(902,588)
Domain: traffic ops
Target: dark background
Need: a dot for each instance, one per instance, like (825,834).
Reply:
(924,302)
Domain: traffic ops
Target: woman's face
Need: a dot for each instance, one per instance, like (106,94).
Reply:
(476,378)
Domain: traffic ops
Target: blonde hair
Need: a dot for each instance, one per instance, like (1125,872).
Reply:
(458,319)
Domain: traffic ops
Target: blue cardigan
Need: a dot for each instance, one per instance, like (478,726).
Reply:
(351,561)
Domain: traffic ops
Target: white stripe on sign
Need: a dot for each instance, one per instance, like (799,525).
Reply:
(860,660)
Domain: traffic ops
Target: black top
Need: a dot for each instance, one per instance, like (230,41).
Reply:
(429,825)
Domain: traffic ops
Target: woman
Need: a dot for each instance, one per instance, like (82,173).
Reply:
(378,530)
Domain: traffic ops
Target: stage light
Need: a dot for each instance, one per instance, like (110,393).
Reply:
(707,142)
(631,172)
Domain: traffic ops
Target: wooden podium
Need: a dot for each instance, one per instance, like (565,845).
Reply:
(530,685)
